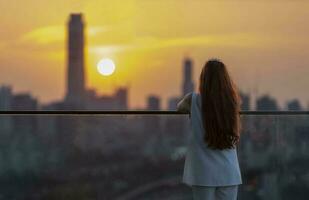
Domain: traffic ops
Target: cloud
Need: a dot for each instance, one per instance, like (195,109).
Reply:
(95,30)
(109,49)
(45,35)
(156,43)
(52,34)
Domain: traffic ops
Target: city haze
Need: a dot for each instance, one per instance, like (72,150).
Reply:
(263,43)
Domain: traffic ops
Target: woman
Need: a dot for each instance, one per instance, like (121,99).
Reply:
(211,165)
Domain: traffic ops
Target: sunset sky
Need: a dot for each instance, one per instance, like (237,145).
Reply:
(265,45)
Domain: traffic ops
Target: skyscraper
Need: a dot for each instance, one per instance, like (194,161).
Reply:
(75,93)
(188,85)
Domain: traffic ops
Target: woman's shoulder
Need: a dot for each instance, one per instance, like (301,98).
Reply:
(196,95)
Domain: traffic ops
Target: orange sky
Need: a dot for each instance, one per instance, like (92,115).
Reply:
(264,43)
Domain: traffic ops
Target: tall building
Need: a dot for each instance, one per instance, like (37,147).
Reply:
(24,101)
(153,103)
(172,103)
(245,101)
(21,124)
(294,105)
(188,85)
(5,104)
(5,97)
(266,102)
(121,98)
(75,93)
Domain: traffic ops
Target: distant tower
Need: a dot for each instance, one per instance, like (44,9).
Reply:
(122,98)
(294,105)
(266,102)
(5,97)
(75,72)
(245,101)
(188,85)
(153,102)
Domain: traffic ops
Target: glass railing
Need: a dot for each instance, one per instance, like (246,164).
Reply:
(140,155)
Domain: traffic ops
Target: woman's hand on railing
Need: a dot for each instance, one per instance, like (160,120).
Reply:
(184,104)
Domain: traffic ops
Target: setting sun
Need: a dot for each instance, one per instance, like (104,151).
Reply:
(106,67)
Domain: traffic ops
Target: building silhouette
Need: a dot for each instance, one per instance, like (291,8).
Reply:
(188,85)
(266,102)
(75,94)
(19,101)
(153,102)
(117,101)
(6,125)
(172,103)
(294,105)
(21,124)
(5,97)
(245,101)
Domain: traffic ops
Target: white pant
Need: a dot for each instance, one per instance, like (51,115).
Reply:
(214,193)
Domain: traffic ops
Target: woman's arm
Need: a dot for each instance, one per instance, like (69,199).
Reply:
(184,104)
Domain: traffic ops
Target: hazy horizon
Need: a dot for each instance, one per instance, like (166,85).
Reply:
(263,43)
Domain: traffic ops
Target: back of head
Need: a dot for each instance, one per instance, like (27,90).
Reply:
(220,106)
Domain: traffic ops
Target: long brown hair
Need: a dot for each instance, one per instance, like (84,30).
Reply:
(220,106)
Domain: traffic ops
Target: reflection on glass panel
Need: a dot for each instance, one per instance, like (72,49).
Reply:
(141,157)
(274,156)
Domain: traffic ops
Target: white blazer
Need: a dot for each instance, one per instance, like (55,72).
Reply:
(205,166)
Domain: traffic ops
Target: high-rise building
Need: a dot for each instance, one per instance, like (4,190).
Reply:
(188,85)
(294,105)
(153,102)
(245,101)
(24,101)
(75,93)
(121,97)
(172,103)
(5,104)
(266,102)
(22,124)
(5,97)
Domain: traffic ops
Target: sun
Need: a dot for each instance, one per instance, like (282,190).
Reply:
(106,66)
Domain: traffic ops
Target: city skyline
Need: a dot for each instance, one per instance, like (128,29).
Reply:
(268,53)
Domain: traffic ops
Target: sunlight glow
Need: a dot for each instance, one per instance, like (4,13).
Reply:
(106,67)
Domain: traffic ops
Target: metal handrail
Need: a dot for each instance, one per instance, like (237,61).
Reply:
(133,112)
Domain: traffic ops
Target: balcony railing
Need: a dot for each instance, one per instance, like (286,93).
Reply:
(133,112)
(140,154)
